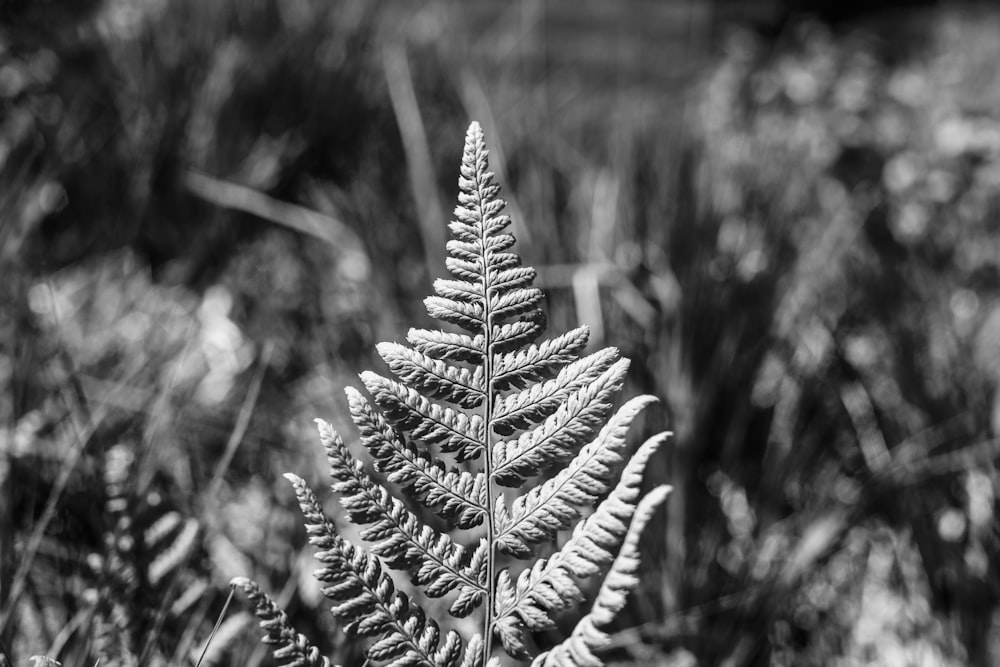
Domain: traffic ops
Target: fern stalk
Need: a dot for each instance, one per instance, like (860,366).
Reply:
(488,458)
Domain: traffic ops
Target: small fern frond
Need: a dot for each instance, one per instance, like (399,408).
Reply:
(473,652)
(366,599)
(396,534)
(172,555)
(478,246)
(530,406)
(290,649)
(453,494)
(550,585)
(514,335)
(538,362)
(452,430)
(587,637)
(433,377)
(554,440)
(556,504)
(446,345)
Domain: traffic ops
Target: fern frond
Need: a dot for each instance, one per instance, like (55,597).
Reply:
(446,345)
(537,362)
(578,649)
(366,600)
(474,652)
(507,303)
(462,290)
(453,494)
(118,571)
(522,409)
(510,279)
(396,534)
(469,316)
(170,556)
(433,377)
(453,431)
(511,407)
(550,585)
(514,335)
(290,649)
(556,504)
(479,244)
(554,439)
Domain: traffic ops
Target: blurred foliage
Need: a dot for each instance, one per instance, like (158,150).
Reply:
(796,241)
(839,308)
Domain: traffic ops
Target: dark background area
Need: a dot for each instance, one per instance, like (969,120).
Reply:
(786,213)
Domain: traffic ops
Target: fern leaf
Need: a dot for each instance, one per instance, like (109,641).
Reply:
(507,304)
(578,649)
(170,556)
(464,268)
(524,408)
(433,377)
(502,261)
(556,504)
(446,345)
(366,600)
(553,440)
(453,494)
(514,335)
(478,239)
(474,652)
(459,290)
(290,649)
(515,278)
(537,362)
(427,422)
(487,394)
(550,584)
(397,535)
(469,316)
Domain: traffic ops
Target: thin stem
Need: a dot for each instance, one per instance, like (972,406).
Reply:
(488,454)
(7,661)
(218,624)
(490,527)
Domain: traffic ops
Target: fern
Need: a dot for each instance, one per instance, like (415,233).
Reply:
(291,649)
(488,394)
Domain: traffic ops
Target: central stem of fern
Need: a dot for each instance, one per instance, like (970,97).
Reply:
(490,527)
(488,459)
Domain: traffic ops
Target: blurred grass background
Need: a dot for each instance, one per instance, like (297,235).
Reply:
(786,213)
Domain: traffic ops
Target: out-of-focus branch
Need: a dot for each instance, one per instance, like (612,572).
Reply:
(329,229)
(419,165)
(478,106)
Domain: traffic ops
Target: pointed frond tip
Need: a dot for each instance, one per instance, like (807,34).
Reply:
(551,584)
(290,649)
(578,649)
